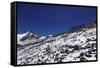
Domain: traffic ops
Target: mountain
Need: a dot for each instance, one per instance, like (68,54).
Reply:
(26,38)
(65,47)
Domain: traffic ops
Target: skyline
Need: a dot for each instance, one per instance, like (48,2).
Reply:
(49,19)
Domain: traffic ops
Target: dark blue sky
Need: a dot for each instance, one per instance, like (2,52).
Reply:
(50,19)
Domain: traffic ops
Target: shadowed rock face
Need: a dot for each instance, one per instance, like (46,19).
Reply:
(66,47)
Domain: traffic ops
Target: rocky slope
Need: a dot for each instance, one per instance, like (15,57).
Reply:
(66,47)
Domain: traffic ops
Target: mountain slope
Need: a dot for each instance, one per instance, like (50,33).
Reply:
(67,47)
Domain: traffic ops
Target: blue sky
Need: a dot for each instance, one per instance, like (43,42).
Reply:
(50,19)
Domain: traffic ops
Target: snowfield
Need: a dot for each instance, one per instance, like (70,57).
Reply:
(67,47)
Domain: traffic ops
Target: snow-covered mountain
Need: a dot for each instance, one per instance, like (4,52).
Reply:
(26,38)
(66,47)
